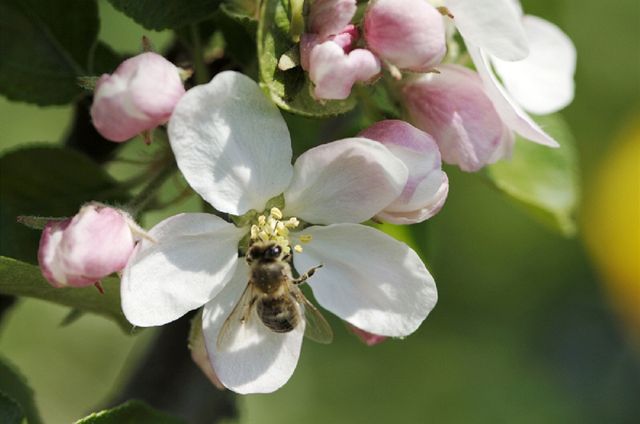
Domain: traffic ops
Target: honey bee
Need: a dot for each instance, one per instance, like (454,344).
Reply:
(274,294)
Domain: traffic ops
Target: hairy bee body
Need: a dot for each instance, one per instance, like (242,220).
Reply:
(280,314)
(271,277)
(273,293)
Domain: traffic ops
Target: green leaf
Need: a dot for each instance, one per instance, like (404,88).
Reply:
(166,14)
(104,60)
(16,391)
(21,279)
(46,181)
(242,10)
(543,179)
(45,45)
(131,412)
(10,410)
(290,89)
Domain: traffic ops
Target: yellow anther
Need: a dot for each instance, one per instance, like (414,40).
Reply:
(292,222)
(272,228)
(276,213)
(305,238)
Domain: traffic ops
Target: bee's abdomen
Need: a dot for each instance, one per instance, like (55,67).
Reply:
(278,314)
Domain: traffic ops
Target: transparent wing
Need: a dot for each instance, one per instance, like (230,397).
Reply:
(317,328)
(238,316)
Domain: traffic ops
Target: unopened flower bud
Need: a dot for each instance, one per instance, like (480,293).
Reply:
(453,107)
(138,96)
(427,186)
(334,69)
(329,17)
(81,250)
(408,34)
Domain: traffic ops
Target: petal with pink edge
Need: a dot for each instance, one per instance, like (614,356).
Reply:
(510,112)
(329,17)
(334,72)
(427,185)
(347,180)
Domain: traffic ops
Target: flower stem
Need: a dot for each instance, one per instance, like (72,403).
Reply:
(201,73)
(138,203)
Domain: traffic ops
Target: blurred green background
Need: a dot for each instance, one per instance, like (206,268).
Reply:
(530,327)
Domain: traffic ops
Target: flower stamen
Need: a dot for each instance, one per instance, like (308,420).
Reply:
(273,228)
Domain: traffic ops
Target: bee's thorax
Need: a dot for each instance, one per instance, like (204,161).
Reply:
(270,276)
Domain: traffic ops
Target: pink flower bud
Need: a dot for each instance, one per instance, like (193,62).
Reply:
(346,39)
(408,34)
(329,17)
(138,96)
(427,185)
(453,106)
(367,338)
(333,71)
(79,251)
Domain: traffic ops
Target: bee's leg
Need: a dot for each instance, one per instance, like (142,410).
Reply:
(304,277)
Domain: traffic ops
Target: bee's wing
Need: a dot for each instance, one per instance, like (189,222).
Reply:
(238,316)
(317,328)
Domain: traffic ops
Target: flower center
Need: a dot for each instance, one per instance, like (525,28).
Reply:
(274,228)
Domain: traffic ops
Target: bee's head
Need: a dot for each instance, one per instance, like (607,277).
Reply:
(266,251)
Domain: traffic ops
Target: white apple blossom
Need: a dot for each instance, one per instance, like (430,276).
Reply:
(234,149)
(534,58)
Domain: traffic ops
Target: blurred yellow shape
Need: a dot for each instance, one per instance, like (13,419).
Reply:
(612,223)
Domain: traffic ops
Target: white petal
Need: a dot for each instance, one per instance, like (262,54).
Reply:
(192,258)
(543,82)
(231,143)
(369,279)
(510,112)
(258,360)
(347,180)
(493,25)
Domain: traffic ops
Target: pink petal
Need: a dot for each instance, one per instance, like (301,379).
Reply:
(348,180)
(367,338)
(453,107)
(140,95)
(329,17)
(409,34)
(346,39)
(427,185)
(81,250)
(334,72)
(510,112)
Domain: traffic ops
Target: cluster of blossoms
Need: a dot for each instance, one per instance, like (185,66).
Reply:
(472,115)
(234,149)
